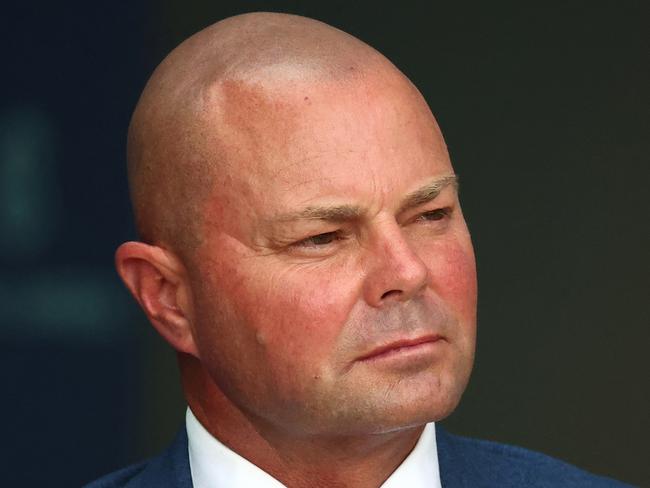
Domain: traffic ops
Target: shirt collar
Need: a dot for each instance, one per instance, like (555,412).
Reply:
(213,465)
(420,468)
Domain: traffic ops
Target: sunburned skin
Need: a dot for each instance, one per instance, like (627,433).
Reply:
(305,250)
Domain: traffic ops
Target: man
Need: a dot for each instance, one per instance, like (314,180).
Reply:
(304,251)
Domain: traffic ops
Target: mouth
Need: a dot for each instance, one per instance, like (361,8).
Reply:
(402,346)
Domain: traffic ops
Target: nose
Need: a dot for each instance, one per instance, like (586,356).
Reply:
(396,272)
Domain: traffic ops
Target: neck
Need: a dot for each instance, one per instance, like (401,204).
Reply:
(297,462)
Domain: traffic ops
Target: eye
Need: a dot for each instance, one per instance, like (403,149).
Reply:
(433,215)
(319,240)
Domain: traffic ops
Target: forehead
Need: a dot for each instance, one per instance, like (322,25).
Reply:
(291,144)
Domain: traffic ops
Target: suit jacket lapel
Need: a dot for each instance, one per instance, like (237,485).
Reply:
(171,468)
(455,469)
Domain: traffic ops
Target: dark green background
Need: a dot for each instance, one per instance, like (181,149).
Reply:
(545,110)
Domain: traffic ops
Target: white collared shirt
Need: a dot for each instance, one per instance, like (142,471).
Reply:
(213,465)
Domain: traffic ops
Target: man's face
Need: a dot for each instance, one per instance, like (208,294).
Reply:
(325,249)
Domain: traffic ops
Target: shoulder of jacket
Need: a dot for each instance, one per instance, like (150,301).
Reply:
(120,478)
(522,467)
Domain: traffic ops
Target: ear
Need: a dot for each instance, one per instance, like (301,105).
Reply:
(157,280)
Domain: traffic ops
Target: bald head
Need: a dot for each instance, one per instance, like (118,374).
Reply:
(188,124)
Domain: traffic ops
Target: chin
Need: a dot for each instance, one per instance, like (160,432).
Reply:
(404,407)
(430,400)
(422,412)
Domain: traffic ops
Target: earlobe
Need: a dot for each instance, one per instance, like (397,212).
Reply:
(154,276)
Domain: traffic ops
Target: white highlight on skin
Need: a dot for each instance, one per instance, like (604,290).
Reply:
(260,338)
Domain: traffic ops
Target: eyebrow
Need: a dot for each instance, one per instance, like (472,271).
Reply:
(428,192)
(346,213)
(334,213)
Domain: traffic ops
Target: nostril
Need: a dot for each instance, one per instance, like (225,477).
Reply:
(395,293)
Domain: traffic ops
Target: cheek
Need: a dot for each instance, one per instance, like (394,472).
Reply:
(453,275)
(309,308)
(291,315)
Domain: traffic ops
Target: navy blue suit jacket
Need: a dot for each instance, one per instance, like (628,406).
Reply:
(464,463)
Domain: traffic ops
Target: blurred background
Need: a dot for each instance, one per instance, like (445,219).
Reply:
(545,111)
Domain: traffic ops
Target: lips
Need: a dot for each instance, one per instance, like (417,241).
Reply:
(399,345)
